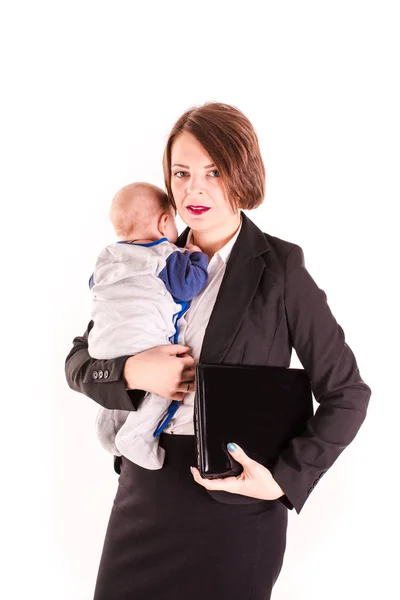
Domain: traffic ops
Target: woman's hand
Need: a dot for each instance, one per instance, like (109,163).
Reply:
(255,481)
(161,371)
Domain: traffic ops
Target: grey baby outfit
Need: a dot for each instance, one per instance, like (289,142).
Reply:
(139,293)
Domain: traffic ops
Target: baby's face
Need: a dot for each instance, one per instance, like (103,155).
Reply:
(172,230)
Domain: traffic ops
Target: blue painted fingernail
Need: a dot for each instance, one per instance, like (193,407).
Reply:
(231,447)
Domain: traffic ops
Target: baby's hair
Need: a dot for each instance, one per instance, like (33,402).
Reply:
(135,207)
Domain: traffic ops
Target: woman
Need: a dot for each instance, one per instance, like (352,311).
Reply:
(172,535)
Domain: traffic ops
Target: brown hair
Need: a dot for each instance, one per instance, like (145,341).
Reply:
(231,142)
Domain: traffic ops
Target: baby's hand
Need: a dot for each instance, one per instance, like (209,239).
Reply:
(193,248)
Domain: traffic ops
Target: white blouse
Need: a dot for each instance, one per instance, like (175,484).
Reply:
(192,327)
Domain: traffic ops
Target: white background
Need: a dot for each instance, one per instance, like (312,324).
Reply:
(90,91)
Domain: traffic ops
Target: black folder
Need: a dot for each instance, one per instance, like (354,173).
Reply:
(259,407)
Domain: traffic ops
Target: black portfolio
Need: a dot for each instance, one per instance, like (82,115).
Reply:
(259,407)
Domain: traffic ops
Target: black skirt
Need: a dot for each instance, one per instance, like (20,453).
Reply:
(168,539)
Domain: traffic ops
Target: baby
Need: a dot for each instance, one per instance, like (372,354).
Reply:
(141,287)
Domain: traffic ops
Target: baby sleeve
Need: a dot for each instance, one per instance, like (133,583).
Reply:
(185,274)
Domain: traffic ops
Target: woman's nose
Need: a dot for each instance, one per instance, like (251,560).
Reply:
(193,192)
(195,186)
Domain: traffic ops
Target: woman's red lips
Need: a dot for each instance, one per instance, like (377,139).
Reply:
(197,209)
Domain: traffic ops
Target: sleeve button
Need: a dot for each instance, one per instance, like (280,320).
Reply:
(106,374)
(95,375)
(101,374)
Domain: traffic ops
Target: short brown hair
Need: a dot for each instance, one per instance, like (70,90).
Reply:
(231,142)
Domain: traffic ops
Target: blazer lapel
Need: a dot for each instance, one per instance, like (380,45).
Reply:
(239,284)
(237,289)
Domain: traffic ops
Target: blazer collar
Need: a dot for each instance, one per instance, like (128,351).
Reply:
(239,284)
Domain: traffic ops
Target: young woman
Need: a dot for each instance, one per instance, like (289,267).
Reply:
(172,535)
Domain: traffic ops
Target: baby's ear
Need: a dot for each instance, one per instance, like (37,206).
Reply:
(162,222)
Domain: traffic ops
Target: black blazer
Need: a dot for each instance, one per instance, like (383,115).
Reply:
(267,304)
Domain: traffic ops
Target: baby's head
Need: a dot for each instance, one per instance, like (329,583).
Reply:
(141,211)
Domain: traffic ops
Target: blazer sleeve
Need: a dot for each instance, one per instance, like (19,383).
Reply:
(336,383)
(101,380)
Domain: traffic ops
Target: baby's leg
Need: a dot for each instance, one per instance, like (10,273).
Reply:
(135,439)
(108,423)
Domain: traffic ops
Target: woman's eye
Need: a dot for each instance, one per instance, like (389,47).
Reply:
(181,174)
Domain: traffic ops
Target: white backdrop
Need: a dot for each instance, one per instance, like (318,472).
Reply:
(90,92)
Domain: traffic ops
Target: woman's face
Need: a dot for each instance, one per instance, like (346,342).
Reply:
(195,182)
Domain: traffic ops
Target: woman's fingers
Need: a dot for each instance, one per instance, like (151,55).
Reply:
(188,377)
(187,361)
(240,455)
(184,387)
(228,484)
(188,374)
(177,396)
(162,371)
(255,480)
(174,349)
